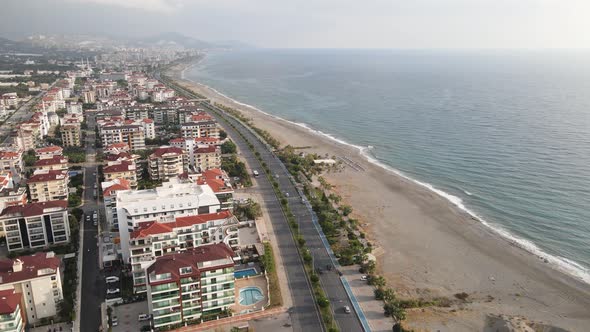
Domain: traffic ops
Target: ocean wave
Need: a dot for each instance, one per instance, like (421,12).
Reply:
(562,264)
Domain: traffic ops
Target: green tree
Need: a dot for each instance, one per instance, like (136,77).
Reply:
(228,147)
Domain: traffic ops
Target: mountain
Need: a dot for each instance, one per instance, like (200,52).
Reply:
(175,39)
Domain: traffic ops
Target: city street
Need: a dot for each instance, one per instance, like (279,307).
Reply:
(93,285)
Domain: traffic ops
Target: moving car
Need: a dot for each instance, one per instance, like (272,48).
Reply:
(346,309)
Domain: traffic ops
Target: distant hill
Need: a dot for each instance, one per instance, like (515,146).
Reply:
(178,39)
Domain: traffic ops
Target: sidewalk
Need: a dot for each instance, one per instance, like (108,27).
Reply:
(235,321)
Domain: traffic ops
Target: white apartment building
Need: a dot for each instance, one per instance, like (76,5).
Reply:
(48,185)
(121,169)
(200,129)
(35,225)
(184,286)
(37,278)
(149,128)
(74,108)
(167,162)
(133,135)
(109,193)
(11,160)
(49,152)
(11,312)
(154,239)
(172,199)
(56,163)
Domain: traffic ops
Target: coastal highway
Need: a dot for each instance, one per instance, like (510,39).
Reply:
(330,280)
(300,289)
(304,314)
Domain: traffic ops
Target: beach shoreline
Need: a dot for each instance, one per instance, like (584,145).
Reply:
(427,247)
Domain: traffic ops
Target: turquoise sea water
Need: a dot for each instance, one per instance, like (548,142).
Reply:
(504,135)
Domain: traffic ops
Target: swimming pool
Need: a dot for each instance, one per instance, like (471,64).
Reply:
(250,295)
(245,273)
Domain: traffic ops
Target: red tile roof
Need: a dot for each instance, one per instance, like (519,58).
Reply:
(152,228)
(9,155)
(122,185)
(49,149)
(34,209)
(50,175)
(31,266)
(159,152)
(123,166)
(209,149)
(55,160)
(9,301)
(172,263)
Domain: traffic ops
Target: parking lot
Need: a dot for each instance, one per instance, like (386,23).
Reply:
(127,315)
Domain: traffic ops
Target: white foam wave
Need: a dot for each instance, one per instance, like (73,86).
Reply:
(467,192)
(560,263)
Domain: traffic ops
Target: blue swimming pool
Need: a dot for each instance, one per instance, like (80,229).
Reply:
(250,295)
(245,273)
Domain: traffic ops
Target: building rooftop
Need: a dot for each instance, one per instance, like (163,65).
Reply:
(161,151)
(49,149)
(153,228)
(34,209)
(122,166)
(202,258)
(9,301)
(55,160)
(28,267)
(208,149)
(47,175)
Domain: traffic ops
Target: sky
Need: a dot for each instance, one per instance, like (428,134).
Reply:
(447,24)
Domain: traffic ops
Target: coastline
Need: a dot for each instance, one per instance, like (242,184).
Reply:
(428,247)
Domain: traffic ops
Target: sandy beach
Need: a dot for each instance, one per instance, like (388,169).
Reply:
(427,247)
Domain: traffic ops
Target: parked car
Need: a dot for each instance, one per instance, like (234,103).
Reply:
(111,291)
(346,309)
(88,218)
(95,223)
(364,278)
(112,279)
(115,321)
(143,317)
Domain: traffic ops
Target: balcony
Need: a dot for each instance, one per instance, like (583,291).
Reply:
(165,296)
(163,288)
(166,304)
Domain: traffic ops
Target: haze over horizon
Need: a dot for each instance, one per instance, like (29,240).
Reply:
(525,24)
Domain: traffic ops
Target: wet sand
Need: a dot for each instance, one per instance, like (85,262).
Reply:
(427,247)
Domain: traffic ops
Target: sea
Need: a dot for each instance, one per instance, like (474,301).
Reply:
(502,134)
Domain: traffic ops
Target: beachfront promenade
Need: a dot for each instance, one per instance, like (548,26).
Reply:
(304,313)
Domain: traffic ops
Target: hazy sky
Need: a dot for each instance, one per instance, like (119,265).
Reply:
(317,23)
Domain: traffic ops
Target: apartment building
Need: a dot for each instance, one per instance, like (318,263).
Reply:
(207,158)
(48,186)
(200,129)
(109,193)
(11,312)
(166,162)
(149,128)
(9,194)
(37,278)
(56,163)
(89,97)
(154,239)
(11,160)
(133,135)
(35,225)
(185,286)
(172,199)
(49,152)
(71,134)
(220,183)
(121,169)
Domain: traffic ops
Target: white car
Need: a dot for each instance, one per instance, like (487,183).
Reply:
(115,321)
(143,317)
(113,291)
(347,309)
(112,279)
(364,278)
